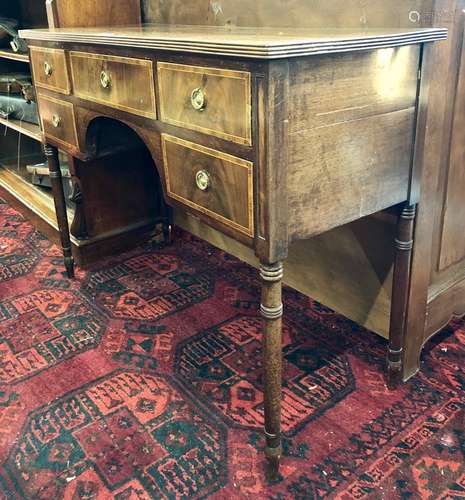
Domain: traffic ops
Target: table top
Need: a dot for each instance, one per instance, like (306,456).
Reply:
(257,43)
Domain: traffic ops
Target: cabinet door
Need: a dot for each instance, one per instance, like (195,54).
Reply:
(88,13)
(453,231)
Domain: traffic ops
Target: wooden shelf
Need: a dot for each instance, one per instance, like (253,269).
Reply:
(28,129)
(39,201)
(14,56)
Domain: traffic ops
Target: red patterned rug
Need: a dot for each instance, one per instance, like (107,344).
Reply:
(142,379)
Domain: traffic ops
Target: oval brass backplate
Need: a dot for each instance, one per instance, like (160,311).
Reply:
(203,180)
(198,99)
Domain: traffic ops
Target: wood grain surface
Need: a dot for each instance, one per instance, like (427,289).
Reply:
(130,88)
(65,133)
(58,80)
(229,199)
(227,110)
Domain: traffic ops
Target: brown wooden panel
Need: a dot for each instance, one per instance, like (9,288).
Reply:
(291,13)
(119,192)
(88,13)
(130,84)
(352,128)
(58,120)
(351,170)
(326,91)
(453,231)
(228,199)
(50,69)
(226,112)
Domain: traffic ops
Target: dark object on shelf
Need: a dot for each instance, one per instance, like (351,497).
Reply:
(41,175)
(9,35)
(16,107)
(16,83)
(28,91)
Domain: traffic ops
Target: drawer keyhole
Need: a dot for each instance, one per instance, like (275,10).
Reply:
(203,180)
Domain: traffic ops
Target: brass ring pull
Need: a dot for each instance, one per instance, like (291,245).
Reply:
(105,80)
(198,99)
(56,121)
(203,180)
(48,70)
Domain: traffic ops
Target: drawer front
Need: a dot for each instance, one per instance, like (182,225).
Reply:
(50,69)
(214,101)
(120,82)
(213,183)
(58,121)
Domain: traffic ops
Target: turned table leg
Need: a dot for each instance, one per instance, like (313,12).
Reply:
(272,312)
(400,292)
(60,206)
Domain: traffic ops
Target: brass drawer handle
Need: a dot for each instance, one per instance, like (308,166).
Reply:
(203,180)
(105,80)
(48,69)
(56,121)
(198,99)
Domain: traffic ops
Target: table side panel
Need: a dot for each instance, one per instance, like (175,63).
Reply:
(351,138)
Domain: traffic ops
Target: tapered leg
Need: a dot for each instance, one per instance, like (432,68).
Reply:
(272,312)
(60,206)
(400,292)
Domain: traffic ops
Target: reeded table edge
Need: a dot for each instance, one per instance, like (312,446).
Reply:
(248,49)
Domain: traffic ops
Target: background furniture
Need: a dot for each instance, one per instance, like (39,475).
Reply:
(98,227)
(20,142)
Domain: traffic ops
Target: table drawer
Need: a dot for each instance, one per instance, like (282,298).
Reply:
(58,120)
(213,183)
(120,82)
(50,69)
(214,101)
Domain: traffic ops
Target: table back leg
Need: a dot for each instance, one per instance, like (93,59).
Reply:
(400,291)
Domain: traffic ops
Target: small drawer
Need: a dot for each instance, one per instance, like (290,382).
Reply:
(58,121)
(120,82)
(213,183)
(50,69)
(214,101)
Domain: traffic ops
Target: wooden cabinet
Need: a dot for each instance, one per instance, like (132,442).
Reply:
(85,13)
(349,268)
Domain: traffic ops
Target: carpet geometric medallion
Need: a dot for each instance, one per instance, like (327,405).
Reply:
(142,379)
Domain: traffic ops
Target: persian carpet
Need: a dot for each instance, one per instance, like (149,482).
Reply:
(142,379)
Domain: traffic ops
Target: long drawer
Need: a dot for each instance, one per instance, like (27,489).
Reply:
(50,69)
(214,101)
(120,82)
(58,120)
(211,182)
